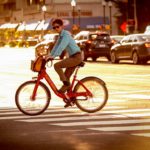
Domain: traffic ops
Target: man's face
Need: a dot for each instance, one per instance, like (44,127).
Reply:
(58,28)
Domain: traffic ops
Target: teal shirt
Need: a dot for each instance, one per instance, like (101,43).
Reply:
(65,42)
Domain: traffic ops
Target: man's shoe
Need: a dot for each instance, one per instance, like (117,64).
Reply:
(64,88)
(67,105)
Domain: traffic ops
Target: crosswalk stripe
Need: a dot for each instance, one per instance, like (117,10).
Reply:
(128,110)
(112,122)
(51,110)
(108,119)
(142,134)
(138,115)
(26,117)
(65,113)
(55,109)
(125,128)
(72,118)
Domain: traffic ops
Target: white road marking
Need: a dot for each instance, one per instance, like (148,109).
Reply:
(72,118)
(129,92)
(125,128)
(81,119)
(139,96)
(65,113)
(142,134)
(112,122)
(138,75)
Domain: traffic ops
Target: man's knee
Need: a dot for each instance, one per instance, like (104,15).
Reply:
(56,66)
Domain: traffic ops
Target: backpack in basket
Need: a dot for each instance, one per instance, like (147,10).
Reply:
(36,64)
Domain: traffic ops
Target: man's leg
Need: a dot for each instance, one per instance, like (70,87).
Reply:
(69,72)
(69,64)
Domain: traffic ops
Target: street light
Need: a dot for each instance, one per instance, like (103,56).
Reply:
(44,9)
(110,17)
(73,4)
(104,5)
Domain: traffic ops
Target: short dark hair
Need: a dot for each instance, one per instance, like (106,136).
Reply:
(57,21)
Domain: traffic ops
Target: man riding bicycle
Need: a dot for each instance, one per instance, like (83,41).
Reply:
(65,42)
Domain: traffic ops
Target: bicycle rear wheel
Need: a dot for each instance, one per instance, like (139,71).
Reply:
(32,107)
(100,94)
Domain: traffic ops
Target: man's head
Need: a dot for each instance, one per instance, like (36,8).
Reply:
(57,25)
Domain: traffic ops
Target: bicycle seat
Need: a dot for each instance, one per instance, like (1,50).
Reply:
(81,64)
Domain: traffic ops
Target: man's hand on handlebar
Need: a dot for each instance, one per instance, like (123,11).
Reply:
(48,57)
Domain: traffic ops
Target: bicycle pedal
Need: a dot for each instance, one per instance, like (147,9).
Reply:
(69,104)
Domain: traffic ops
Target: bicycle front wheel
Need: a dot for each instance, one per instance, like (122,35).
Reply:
(29,106)
(99,91)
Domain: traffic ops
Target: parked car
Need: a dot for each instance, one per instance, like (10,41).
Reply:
(134,47)
(94,44)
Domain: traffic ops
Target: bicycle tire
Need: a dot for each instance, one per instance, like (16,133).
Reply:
(99,91)
(32,107)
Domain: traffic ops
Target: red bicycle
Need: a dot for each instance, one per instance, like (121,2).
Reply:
(33,97)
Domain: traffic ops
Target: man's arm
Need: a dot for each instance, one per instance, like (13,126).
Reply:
(60,45)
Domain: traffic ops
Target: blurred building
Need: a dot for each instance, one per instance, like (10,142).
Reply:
(86,14)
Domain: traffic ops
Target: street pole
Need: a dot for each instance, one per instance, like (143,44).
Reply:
(73,16)
(79,16)
(73,4)
(104,5)
(135,17)
(110,16)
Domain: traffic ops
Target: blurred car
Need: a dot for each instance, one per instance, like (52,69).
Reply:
(134,47)
(94,44)
(2,43)
(44,47)
(116,38)
(32,41)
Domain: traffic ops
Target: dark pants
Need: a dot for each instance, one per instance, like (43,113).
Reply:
(70,65)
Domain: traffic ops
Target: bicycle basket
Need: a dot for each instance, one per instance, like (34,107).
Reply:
(37,64)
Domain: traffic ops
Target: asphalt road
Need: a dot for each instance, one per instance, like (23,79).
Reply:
(124,123)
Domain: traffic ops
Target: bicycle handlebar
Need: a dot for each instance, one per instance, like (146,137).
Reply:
(49,60)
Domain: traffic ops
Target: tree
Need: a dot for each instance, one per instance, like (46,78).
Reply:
(126,9)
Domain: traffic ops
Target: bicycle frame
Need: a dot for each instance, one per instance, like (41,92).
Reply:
(43,74)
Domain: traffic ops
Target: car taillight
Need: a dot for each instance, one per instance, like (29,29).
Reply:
(89,42)
(113,41)
(147,45)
